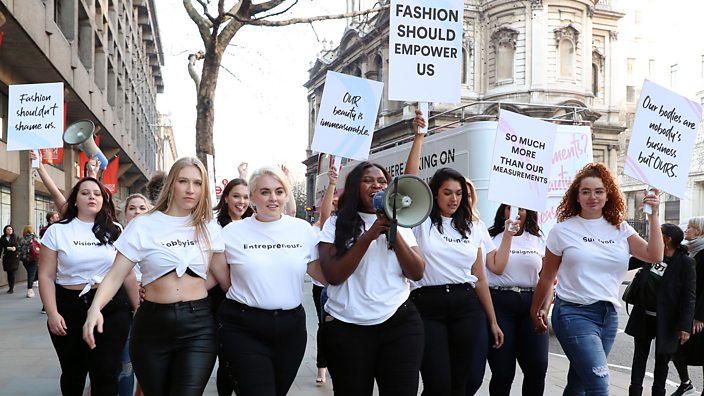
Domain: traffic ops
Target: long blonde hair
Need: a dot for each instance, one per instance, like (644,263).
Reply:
(202,213)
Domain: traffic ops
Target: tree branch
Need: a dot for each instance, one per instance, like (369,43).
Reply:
(205,10)
(203,24)
(277,13)
(266,6)
(293,21)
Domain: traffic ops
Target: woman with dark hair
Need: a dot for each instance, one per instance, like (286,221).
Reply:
(77,252)
(232,206)
(8,250)
(663,310)
(590,246)
(174,344)
(372,330)
(512,276)
(28,260)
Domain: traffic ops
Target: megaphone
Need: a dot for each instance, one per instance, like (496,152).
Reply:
(407,202)
(80,134)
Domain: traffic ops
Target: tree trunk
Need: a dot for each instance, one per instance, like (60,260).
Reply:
(205,107)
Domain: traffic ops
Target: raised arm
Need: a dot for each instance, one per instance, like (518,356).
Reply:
(650,251)
(413,160)
(328,196)
(59,199)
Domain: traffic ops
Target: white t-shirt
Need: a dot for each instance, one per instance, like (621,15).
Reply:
(161,243)
(448,256)
(268,261)
(525,261)
(487,240)
(595,257)
(317,231)
(80,257)
(376,289)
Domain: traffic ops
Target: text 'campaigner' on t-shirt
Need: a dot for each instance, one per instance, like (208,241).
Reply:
(161,243)
(525,261)
(448,256)
(268,261)
(377,288)
(81,259)
(595,257)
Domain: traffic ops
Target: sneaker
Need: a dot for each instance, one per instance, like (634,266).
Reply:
(684,389)
(30,293)
(43,310)
(36,283)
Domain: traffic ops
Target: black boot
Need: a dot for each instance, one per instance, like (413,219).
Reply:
(635,390)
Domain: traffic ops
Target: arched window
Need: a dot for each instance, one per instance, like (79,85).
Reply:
(465,62)
(379,65)
(595,79)
(567,58)
(504,43)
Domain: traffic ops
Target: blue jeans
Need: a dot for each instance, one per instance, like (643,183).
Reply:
(586,334)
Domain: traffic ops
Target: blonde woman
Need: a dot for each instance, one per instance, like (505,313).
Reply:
(173,346)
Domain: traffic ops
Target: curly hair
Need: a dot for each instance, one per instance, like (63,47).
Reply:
(615,208)
(105,229)
(530,224)
(349,225)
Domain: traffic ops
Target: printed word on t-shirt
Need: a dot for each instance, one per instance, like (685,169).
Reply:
(605,242)
(272,246)
(457,240)
(179,243)
(86,243)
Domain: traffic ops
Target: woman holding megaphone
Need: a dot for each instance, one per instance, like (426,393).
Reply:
(372,330)
(453,291)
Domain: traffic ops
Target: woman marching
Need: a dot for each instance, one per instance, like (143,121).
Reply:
(77,252)
(512,277)
(173,345)
(453,292)
(29,259)
(9,244)
(372,330)
(262,322)
(663,311)
(590,247)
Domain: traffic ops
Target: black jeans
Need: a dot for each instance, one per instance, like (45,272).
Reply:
(173,347)
(263,349)
(390,352)
(103,363)
(521,343)
(640,359)
(477,362)
(451,316)
(223,381)
(11,280)
(31,267)
(320,360)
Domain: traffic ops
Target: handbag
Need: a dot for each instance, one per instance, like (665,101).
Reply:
(632,294)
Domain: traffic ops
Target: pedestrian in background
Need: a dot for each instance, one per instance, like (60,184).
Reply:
(10,259)
(663,310)
(692,353)
(513,274)
(174,343)
(588,252)
(77,252)
(372,330)
(29,258)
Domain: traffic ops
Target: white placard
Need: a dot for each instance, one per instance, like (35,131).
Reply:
(664,132)
(347,116)
(520,169)
(35,116)
(572,150)
(425,50)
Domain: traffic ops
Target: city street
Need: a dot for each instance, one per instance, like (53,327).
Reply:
(29,366)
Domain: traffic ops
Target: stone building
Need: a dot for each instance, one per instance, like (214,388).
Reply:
(108,55)
(553,59)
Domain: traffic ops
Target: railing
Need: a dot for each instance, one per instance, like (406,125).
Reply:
(641,227)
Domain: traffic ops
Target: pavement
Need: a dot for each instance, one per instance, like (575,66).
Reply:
(29,365)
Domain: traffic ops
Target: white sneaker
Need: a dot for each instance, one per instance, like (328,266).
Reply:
(30,293)
(36,283)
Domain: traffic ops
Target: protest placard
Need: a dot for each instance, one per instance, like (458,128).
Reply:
(664,132)
(347,116)
(35,116)
(425,50)
(522,161)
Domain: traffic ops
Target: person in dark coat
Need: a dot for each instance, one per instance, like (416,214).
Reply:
(663,311)
(692,353)
(9,251)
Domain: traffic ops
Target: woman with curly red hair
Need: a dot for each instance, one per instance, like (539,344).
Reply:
(590,246)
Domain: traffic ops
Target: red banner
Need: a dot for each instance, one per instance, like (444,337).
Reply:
(55,155)
(110,175)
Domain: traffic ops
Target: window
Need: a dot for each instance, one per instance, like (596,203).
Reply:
(504,44)
(464,66)
(651,67)
(5,206)
(673,76)
(3,117)
(630,94)
(566,58)
(595,79)
(629,66)
(702,67)
(637,18)
(672,211)
(379,63)
(42,205)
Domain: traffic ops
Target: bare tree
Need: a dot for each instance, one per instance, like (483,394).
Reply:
(217,26)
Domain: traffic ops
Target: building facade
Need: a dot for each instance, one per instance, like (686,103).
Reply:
(108,55)
(552,59)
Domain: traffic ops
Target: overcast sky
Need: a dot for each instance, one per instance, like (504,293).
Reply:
(261,108)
